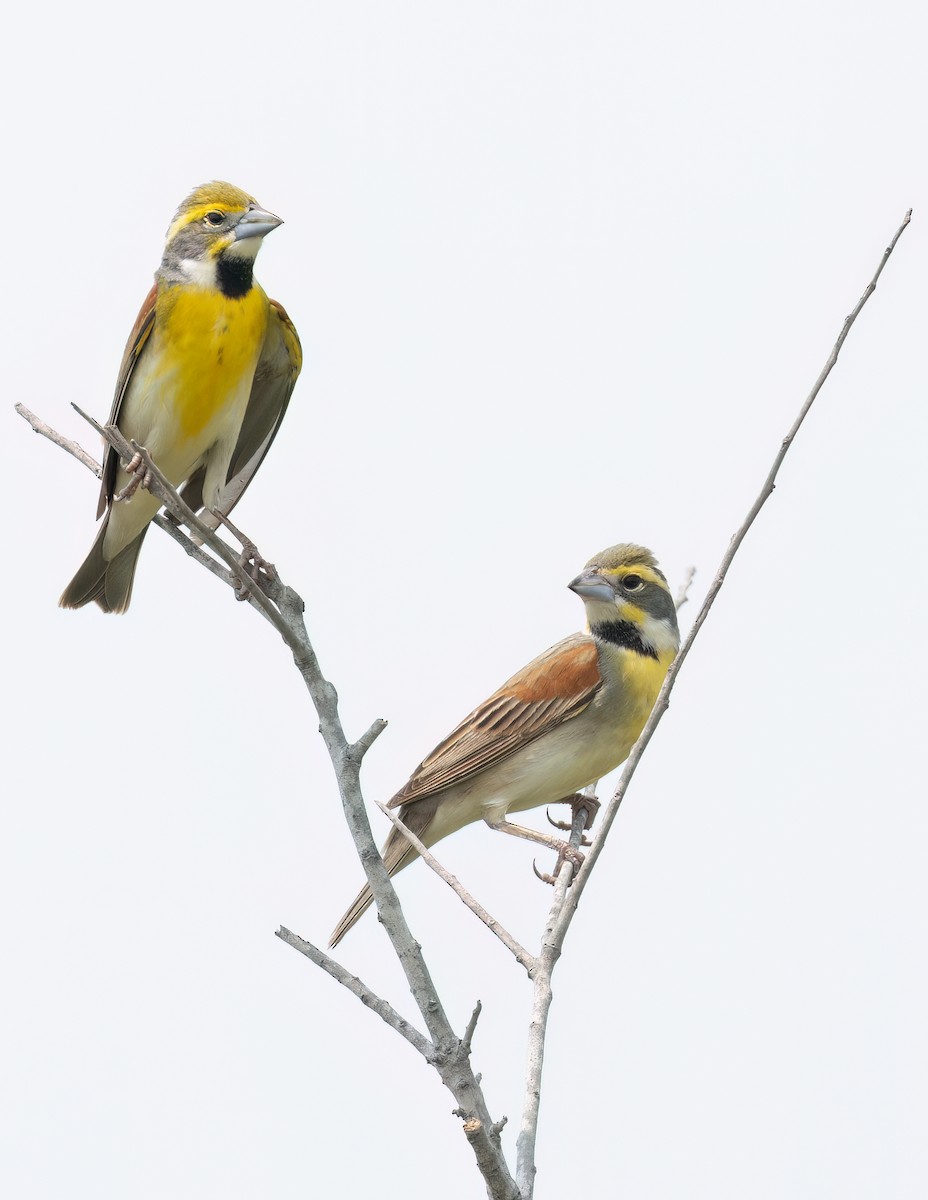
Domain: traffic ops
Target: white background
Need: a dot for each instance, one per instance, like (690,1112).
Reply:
(563,274)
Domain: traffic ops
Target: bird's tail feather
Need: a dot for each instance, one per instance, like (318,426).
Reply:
(106,581)
(396,854)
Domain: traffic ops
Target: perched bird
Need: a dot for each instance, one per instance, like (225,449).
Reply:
(204,384)
(568,718)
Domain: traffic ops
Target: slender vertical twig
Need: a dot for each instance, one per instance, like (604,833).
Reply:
(565,905)
(738,537)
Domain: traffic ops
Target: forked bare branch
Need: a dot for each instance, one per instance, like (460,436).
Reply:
(521,955)
(283,608)
(560,920)
(663,699)
(450,1055)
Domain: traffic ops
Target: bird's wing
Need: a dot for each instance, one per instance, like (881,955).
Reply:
(275,377)
(556,686)
(134,347)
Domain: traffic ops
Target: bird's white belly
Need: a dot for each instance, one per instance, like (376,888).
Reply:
(562,762)
(149,417)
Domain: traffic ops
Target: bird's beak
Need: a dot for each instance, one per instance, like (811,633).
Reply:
(591,586)
(256,223)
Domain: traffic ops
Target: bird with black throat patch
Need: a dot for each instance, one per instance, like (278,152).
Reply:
(204,384)
(558,725)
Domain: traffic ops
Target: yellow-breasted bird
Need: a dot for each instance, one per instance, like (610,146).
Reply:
(204,383)
(568,718)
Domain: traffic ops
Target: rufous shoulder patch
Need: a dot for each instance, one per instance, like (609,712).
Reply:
(565,671)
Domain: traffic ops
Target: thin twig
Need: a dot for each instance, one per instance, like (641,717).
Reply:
(662,702)
(542,995)
(60,440)
(168,526)
(683,594)
(562,913)
(357,987)
(173,530)
(467,1039)
(521,955)
(159,485)
(283,608)
(359,748)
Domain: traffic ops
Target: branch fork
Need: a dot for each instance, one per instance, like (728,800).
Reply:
(283,608)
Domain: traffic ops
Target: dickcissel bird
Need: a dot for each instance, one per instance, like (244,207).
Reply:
(204,384)
(568,718)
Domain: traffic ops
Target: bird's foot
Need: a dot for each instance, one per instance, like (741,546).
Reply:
(254,566)
(139,476)
(566,853)
(579,802)
(584,840)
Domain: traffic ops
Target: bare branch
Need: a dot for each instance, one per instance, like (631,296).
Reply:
(358,988)
(283,608)
(663,699)
(542,995)
(358,749)
(161,487)
(60,440)
(449,1060)
(683,593)
(567,899)
(468,1037)
(173,530)
(521,955)
(164,523)
(492,1167)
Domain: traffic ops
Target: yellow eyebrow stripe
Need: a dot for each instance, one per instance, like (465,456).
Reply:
(643,572)
(190,216)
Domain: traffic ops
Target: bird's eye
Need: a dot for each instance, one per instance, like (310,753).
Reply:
(215,218)
(631,583)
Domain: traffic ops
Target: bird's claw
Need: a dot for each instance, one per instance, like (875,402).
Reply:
(584,840)
(566,853)
(543,875)
(579,802)
(139,476)
(254,566)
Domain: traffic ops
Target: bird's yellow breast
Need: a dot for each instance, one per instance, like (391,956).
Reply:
(208,349)
(643,677)
(639,678)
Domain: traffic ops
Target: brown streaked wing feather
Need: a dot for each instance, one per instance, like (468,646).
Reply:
(554,687)
(134,346)
(275,377)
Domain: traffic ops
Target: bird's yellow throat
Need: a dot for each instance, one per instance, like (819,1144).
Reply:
(210,344)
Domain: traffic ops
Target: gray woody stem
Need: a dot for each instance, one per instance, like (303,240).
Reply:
(521,955)
(563,911)
(542,996)
(450,1055)
(357,987)
(283,608)
(663,699)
